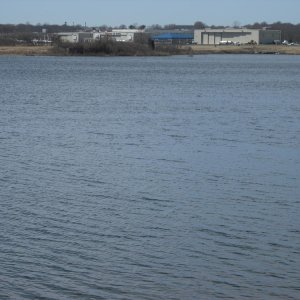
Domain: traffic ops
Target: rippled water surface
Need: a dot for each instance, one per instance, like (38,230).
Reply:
(150,178)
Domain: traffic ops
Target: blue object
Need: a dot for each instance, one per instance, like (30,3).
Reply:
(173,36)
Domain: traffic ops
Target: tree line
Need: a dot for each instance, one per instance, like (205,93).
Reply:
(289,32)
(25,32)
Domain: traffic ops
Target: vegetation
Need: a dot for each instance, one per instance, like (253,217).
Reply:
(24,34)
(10,33)
(29,28)
(289,32)
(108,47)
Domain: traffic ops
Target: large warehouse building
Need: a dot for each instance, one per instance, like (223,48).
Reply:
(232,35)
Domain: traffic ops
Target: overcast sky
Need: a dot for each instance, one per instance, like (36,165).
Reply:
(148,12)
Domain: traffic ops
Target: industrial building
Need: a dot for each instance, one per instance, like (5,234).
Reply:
(125,35)
(75,37)
(119,35)
(210,36)
(173,39)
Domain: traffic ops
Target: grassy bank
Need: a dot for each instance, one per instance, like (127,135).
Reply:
(122,49)
(26,50)
(244,49)
(104,49)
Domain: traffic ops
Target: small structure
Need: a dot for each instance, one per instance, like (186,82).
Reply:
(173,39)
(125,35)
(102,35)
(75,37)
(210,36)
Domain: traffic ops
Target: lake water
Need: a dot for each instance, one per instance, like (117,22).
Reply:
(150,178)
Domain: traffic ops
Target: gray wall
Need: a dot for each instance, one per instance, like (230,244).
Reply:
(243,36)
(268,36)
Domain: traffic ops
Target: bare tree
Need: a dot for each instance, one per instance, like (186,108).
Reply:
(199,25)
(156,27)
(170,26)
(236,24)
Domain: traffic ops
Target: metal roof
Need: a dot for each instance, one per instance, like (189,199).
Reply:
(173,36)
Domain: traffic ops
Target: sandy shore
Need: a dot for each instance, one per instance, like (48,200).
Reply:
(194,49)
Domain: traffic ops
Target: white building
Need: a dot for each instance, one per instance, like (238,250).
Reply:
(125,35)
(119,35)
(101,35)
(210,36)
(75,37)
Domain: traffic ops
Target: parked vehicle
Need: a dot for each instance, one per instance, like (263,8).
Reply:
(225,43)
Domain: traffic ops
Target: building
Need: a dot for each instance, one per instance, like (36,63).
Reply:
(118,35)
(210,36)
(173,39)
(75,37)
(101,35)
(125,35)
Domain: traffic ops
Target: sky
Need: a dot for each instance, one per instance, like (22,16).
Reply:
(148,12)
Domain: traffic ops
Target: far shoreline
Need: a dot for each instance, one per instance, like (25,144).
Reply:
(180,50)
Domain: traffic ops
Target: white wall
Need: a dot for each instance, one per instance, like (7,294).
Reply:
(124,35)
(75,37)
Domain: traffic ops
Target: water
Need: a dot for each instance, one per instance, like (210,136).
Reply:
(150,178)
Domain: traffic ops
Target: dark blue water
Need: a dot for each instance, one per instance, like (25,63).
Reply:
(150,178)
